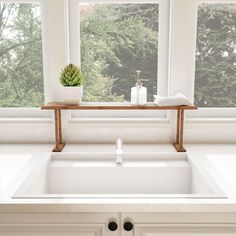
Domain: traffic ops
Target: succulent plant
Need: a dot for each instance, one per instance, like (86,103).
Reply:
(71,75)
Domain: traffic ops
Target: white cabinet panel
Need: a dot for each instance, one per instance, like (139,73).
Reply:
(184,230)
(52,230)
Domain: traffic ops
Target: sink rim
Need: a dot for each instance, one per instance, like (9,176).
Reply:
(218,193)
(119,196)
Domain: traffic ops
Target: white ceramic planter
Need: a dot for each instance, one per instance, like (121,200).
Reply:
(72,95)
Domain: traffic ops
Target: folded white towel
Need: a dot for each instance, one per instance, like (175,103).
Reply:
(176,100)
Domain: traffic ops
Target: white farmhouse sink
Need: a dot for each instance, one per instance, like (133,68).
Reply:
(156,175)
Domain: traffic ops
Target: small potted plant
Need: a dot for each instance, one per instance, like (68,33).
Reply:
(72,80)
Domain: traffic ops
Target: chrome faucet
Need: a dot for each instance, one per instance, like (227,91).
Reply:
(119,151)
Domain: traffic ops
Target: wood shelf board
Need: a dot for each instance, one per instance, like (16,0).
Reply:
(152,106)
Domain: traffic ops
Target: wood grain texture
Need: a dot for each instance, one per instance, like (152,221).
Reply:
(57,107)
(178,125)
(59,147)
(58,131)
(181,130)
(103,106)
(179,148)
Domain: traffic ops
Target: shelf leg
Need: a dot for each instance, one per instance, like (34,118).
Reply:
(58,131)
(180,131)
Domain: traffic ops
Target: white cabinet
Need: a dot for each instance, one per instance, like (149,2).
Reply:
(58,224)
(184,230)
(100,230)
(52,230)
(182,224)
(137,224)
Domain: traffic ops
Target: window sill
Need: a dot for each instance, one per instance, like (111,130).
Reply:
(25,115)
(211,120)
(117,120)
(212,115)
(25,120)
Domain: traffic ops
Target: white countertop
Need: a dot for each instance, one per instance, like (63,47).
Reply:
(18,158)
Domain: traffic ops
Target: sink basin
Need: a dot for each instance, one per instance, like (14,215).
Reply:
(155,175)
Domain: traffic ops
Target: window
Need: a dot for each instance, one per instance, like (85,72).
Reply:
(116,40)
(215,69)
(111,40)
(21,63)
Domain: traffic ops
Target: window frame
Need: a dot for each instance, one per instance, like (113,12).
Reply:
(204,114)
(34,114)
(73,56)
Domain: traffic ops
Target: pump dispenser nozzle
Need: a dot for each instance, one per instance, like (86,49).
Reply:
(139,81)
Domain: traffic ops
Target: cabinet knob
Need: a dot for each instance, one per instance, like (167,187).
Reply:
(128,226)
(112,226)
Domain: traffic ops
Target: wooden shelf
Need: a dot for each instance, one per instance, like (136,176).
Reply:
(57,107)
(101,106)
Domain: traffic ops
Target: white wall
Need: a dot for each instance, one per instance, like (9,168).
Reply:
(12,130)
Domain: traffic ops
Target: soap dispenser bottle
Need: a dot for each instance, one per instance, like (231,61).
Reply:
(139,93)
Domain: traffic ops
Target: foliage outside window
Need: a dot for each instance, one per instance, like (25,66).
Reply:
(215,75)
(117,40)
(21,64)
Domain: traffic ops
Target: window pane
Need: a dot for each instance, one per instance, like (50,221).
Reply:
(116,41)
(21,66)
(215,76)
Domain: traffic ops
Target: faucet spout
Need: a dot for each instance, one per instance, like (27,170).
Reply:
(119,151)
